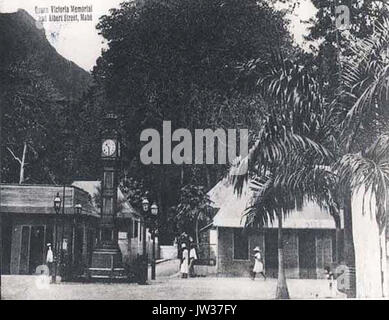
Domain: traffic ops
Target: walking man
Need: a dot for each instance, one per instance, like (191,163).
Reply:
(49,259)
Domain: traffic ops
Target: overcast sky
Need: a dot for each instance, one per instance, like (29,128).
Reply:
(79,41)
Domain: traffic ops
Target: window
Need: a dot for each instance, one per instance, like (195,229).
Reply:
(240,245)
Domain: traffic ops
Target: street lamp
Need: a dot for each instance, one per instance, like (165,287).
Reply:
(145,207)
(154,214)
(57,208)
(57,203)
(78,210)
(149,219)
(154,209)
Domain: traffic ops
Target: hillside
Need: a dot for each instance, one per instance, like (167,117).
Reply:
(21,40)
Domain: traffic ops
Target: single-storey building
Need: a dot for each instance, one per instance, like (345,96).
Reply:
(309,238)
(29,222)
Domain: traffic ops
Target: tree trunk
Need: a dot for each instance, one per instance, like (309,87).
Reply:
(2,107)
(197,230)
(208,176)
(162,218)
(339,246)
(349,251)
(338,242)
(282,288)
(182,176)
(382,262)
(369,244)
(22,163)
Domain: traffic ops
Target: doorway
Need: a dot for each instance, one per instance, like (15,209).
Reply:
(32,250)
(6,240)
(307,254)
(77,250)
(271,253)
(37,247)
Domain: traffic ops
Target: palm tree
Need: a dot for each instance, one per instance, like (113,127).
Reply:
(300,129)
(293,144)
(271,202)
(365,98)
(369,170)
(285,188)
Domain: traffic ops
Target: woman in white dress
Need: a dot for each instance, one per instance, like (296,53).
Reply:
(184,261)
(258,265)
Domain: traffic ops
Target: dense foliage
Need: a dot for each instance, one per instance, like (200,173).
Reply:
(38,88)
(181,61)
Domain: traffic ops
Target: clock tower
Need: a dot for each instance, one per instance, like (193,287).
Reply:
(107,258)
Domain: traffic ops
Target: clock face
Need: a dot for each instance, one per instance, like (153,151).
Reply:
(109,147)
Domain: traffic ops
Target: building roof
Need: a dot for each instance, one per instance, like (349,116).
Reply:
(91,187)
(39,199)
(232,208)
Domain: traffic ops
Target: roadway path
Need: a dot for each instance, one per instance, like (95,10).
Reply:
(164,288)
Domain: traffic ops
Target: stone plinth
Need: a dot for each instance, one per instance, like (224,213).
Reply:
(107,265)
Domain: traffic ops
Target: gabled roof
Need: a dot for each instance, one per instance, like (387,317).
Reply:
(91,187)
(232,208)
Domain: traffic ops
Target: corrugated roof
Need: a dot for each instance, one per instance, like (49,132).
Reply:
(39,199)
(232,208)
(91,187)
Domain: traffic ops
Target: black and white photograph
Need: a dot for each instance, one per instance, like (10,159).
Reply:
(198,150)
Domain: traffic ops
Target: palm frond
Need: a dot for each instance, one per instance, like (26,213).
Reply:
(365,79)
(369,169)
(288,161)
